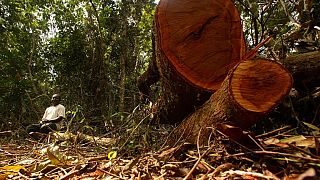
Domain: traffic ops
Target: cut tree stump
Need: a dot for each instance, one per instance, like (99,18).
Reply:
(203,39)
(197,43)
(250,90)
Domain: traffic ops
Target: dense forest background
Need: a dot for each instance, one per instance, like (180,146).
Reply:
(93,51)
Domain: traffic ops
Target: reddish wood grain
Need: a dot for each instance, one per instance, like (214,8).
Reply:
(203,39)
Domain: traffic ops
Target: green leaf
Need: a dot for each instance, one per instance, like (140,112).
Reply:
(311,126)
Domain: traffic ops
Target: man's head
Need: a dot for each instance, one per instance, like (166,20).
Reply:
(55,99)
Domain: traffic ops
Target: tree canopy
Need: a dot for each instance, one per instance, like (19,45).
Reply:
(89,51)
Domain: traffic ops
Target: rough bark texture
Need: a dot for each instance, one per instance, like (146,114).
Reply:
(178,98)
(251,90)
(150,76)
(305,70)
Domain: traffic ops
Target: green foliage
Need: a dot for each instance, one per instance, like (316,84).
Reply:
(288,21)
(73,48)
(20,44)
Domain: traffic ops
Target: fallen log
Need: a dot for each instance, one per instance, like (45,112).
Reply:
(80,137)
(305,70)
(251,89)
(6,133)
(197,43)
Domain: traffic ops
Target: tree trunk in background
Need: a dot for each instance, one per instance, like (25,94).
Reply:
(97,77)
(197,42)
(123,58)
(305,69)
(250,90)
(122,82)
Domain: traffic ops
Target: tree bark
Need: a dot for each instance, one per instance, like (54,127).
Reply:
(250,90)
(123,59)
(305,70)
(122,83)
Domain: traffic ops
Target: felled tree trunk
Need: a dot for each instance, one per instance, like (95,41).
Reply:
(250,90)
(305,70)
(197,43)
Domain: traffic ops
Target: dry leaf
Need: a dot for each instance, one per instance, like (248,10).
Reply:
(15,168)
(271,141)
(5,171)
(309,173)
(26,162)
(54,160)
(3,176)
(293,139)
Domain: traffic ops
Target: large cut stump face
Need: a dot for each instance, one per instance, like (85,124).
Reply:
(202,39)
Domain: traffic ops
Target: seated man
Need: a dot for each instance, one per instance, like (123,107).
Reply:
(52,118)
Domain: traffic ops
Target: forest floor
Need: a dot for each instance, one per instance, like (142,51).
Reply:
(278,154)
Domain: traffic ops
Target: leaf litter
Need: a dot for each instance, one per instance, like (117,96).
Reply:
(278,154)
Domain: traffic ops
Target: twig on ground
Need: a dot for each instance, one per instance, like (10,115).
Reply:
(303,151)
(161,176)
(6,133)
(200,157)
(248,174)
(276,154)
(109,173)
(256,142)
(273,132)
(69,175)
(221,168)
(284,133)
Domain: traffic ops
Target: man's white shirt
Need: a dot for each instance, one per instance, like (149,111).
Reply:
(54,112)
